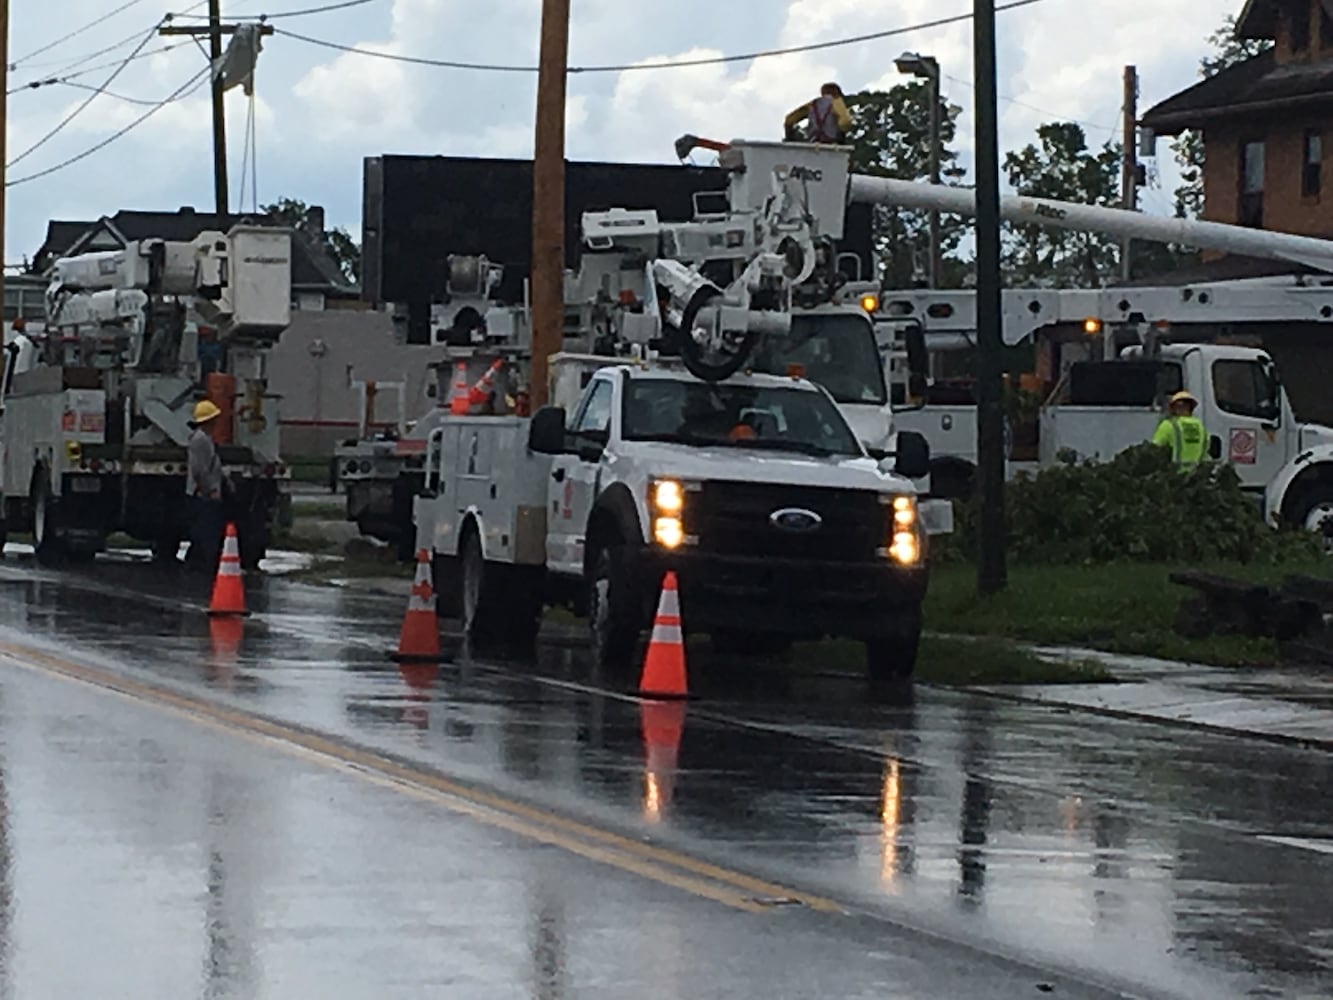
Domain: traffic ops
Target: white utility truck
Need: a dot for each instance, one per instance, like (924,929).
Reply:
(1120,353)
(95,406)
(753,488)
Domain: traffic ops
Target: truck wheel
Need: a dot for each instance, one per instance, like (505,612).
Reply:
(447,575)
(479,597)
(892,658)
(1313,510)
(45,522)
(254,542)
(750,644)
(615,617)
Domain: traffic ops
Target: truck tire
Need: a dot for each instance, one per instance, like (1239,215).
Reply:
(46,541)
(1312,509)
(615,612)
(254,539)
(891,658)
(481,605)
(750,644)
(447,575)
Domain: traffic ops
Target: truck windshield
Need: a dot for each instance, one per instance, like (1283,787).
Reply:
(738,416)
(838,351)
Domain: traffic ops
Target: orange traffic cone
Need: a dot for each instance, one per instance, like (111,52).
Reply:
(228,593)
(481,392)
(459,404)
(663,725)
(664,666)
(419,641)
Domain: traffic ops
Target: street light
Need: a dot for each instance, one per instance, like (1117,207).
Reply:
(928,68)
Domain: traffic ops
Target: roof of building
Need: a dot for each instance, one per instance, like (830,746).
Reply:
(1258,19)
(1256,85)
(312,266)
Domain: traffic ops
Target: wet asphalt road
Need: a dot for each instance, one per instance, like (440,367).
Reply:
(488,829)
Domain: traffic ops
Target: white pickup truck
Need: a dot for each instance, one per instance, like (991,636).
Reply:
(755,490)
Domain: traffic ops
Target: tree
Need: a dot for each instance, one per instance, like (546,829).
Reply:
(1061,166)
(338,243)
(890,137)
(1228,51)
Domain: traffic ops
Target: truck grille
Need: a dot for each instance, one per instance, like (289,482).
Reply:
(730,518)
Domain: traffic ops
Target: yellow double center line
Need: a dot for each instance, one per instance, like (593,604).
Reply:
(659,864)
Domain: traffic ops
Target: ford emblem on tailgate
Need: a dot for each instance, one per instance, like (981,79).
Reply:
(795,519)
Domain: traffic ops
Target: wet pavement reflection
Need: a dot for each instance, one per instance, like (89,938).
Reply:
(1164,861)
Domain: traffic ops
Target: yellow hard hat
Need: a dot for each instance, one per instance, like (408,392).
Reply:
(1184,397)
(205,410)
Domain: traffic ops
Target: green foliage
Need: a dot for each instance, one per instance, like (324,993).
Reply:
(338,243)
(890,137)
(1138,508)
(1061,166)
(1227,51)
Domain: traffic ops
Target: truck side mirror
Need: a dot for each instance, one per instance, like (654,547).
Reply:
(918,358)
(546,433)
(1214,447)
(912,455)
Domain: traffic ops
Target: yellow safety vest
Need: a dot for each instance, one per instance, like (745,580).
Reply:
(1185,436)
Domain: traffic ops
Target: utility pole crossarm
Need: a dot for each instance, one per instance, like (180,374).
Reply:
(203,30)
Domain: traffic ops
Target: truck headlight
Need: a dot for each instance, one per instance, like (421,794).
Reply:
(668,532)
(668,497)
(905,545)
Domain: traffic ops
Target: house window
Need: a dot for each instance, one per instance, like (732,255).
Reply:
(1313,167)
(1252,183)
(1300,26)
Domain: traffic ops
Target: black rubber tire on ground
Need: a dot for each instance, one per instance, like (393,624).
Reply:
(1302,508)
(447,575)
(46,541)
(254,538)
(167,545)
(405,545)
(481,611)
(525,592)
(891,658)
(615,613)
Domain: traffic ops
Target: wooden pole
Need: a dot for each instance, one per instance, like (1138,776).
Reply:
(4,148)
(1129,172)
(548,196)
(220,191)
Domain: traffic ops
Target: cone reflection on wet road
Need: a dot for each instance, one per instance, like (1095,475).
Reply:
(663,726)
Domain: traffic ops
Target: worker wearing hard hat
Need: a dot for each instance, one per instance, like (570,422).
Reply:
(827,117)
(204,483)
(1182,432)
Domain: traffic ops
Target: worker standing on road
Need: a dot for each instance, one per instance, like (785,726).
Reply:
(204,484)
(1182,432)
(827,117)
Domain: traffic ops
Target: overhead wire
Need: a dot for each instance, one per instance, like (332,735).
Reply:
(78,110)
(67,77)
(180,93)
(96,22)
(295,13)
(668,64)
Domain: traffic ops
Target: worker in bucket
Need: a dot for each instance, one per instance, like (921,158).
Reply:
(827,118)
(1182,432)
(204,485)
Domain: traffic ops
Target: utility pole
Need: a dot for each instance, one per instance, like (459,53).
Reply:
(991,569)
(1129,168)
(4,149)
(215,30)
(936,263)
(548,196)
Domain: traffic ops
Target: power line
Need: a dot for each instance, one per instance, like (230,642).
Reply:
(106,93)
(76,32)
(675,64)
(294,13)
(1033,107)
(67,77)
(181,92)
(73,114)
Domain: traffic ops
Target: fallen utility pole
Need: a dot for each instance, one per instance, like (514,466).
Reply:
(215,29)
(991,569)
(548,196)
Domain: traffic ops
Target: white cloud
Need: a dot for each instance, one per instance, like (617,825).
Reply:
(320,112)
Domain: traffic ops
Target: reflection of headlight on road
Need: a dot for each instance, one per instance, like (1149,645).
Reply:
(668,496)
(668,532)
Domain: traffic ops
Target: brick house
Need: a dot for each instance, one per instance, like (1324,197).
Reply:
(1267,123)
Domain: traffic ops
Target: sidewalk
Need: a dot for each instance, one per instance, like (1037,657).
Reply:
(1284,704)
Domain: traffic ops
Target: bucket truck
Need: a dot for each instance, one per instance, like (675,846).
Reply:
(95,406)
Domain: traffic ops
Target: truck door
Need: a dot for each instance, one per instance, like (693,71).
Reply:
(574,479)
(1246,416)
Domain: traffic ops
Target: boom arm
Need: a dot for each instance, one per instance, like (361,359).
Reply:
(1120,222)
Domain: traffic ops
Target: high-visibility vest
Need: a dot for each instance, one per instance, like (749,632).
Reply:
(1185,436)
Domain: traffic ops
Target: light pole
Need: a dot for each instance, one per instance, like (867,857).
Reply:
(928,68)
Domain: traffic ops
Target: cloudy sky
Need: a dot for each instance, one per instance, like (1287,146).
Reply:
(318,112)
